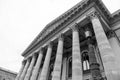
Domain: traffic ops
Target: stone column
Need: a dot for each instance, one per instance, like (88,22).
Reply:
(107,54)
(45,68)
(115,46)
(58,61)
(29,71)
(21,70)
(76,56)
(25,69)
(64,69)
(37,66)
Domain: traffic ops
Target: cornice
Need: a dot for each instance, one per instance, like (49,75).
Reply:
(116,13)
(115,17)
(66,17)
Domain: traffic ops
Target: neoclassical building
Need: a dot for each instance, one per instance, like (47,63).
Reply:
(81,44)
(7,74)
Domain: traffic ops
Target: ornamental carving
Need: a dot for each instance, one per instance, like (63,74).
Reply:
(110,34)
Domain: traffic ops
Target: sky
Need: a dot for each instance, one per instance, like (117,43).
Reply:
(22,20)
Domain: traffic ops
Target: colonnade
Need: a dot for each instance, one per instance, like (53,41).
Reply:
(30,69)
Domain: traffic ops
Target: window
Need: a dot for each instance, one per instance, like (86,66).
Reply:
(85,65)
(85,61)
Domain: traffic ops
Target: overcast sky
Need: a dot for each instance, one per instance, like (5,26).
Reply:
(22,20)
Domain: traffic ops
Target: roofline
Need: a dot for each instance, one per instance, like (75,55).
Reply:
(6,70)
(116,13)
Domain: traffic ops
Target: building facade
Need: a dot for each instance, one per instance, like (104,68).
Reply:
(7,74)
(81,44)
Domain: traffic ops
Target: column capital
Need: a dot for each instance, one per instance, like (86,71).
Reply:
(34,55)
(50,44)
(92,15)
(61,36)
(110,34)
(75,27)
(29,58)
(41,50)
(23,62)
